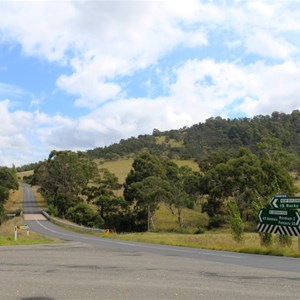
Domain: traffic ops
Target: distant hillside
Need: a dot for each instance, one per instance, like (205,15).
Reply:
(214,135)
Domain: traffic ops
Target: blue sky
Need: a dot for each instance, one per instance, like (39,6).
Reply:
(82,74)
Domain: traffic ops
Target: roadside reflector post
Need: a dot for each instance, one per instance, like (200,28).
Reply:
(27,232)
(16,233)
(298,243)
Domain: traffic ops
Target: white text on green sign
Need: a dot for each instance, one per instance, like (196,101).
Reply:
(286,202)
(279,217)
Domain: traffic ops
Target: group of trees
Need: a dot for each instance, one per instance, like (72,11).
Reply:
(232,185)
(249,179)
(153,180)
(62,179)
(8,181)
(74,188)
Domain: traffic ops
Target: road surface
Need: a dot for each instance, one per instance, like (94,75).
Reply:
(88,267)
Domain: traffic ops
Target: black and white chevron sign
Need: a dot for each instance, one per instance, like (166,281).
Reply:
(283,230)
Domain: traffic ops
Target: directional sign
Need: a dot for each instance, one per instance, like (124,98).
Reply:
(289,218)
(285,202)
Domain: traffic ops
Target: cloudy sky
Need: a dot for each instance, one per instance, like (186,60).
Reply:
(82,74)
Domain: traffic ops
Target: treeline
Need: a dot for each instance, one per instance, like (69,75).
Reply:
(8,182)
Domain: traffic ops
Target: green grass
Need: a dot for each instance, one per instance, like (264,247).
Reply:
(7,230)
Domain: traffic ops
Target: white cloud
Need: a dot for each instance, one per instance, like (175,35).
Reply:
(103,42)
(264,44)
(21,134)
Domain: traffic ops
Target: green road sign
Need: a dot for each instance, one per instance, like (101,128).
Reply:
(283,202)
(279,217)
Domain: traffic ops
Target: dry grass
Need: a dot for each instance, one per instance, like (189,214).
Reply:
(25,173)
(164,220)
(39,198)
(212,240)
(190,163)
(119,167)
(15,201)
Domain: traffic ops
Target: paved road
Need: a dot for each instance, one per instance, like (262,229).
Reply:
(88,267)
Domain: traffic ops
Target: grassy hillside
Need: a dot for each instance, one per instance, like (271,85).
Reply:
(121,167)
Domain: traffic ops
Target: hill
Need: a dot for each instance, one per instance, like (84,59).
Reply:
(215,135)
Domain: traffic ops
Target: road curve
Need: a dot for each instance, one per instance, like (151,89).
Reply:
(39,224)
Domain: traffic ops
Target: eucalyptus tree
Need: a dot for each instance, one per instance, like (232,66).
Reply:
(183,185)
(145,165)
(63,177)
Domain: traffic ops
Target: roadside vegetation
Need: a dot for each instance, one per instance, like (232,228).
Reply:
(7,234)
(209,179)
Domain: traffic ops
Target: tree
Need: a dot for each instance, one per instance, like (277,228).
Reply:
(8,181)
(149,193)
(8,178)
(236,222)
(144,165)
(182,186)
(63,177)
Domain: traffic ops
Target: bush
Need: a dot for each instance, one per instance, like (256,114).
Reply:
(265,239)
(84,215)
(216,222)
(200,230)
(285,241)
(236,222)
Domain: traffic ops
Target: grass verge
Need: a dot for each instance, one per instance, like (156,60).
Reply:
(7,235)
(214,241)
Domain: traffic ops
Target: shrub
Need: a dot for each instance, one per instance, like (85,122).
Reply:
(84,215)
(216,222)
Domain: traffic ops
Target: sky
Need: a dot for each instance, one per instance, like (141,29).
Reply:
(76,75)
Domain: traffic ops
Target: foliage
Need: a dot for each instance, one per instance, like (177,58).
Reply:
(246,178)
(63,177)
(84,215)
(213,141)
(266,239)
(152,181)
(8,181)
(236,223)
(285,241)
